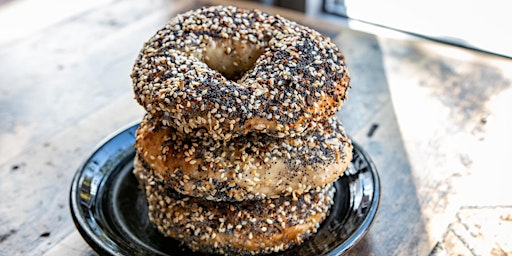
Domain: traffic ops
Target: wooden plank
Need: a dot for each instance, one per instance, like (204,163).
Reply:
(22,18)
(443,97)
(35,185)
(63,103)
(73,244)
(81,65)
(434,118)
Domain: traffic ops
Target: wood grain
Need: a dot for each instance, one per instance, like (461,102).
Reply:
(435,119)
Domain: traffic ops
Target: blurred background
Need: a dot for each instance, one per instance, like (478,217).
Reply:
(480,25)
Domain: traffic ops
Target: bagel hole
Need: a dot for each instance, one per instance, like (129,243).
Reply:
(230,59)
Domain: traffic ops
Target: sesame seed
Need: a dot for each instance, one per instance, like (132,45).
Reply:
(276,119)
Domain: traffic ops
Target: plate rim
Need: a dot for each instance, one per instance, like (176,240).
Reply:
(369,219)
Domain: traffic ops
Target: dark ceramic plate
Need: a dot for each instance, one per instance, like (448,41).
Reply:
(110,210)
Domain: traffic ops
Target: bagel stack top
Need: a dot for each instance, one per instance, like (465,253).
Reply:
(231,71)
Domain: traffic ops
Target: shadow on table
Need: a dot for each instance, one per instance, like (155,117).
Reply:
(369,117)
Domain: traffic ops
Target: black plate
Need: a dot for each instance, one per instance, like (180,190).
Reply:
(110,210)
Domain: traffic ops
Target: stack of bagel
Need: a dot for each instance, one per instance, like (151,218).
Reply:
(240,145)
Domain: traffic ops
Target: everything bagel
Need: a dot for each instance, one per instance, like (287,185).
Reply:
(234,228)
(231,72)
(248,167)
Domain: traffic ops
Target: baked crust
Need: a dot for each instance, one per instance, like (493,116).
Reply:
(233,71)
(240,145)
(234,228)
(253,166)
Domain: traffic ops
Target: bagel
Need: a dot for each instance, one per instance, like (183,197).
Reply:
(249,167)
(234,228)
(232,71)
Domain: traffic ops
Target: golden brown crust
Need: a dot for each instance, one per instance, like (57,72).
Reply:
(241,228)
(252,166)
(233,71)
(240,144)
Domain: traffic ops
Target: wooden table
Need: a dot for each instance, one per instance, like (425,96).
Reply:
(434,118)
